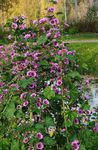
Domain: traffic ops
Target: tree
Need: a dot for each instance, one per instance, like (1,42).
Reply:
(5,5)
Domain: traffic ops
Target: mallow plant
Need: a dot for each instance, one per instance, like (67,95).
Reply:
(44,103)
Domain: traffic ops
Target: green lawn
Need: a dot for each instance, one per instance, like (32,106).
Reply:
(87,54)
(81,36)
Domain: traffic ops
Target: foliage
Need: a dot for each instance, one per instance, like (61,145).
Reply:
(43,100)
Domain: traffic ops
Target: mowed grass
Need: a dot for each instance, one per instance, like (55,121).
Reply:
(87,55)
(81,36)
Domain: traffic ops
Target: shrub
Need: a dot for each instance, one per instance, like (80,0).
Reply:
(44,102)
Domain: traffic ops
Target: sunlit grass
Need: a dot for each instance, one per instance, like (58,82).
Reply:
(87,54)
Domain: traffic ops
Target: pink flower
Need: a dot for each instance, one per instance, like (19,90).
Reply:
(31,73)
(25,140)
(63,129)
(48,34)
(43,20)
(75,144)
(57,35)
(39,146)
(27,36)
(87,82)
(25,103)
(76,121)
(46,102)
(22,26)
(39,135)
(66,61)
(35,22)
(51,9)
(95,129)
(23,95)
(14,25)
(33,95)
(59,82)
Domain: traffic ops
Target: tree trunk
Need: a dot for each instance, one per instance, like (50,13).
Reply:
(2,10)
(65,11)
(76,10)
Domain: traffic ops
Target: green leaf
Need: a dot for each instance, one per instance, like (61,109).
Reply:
(10,110)
(49,121)
(49,141)
(15,145)
(82,147)
(4,144)
(39,127)
(74,74)
(44,64)
(48,93)
(68,123)
(42,39)
(25,82)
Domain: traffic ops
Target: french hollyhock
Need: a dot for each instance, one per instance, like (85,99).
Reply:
(44,102)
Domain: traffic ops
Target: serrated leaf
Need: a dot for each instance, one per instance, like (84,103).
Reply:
(48,93)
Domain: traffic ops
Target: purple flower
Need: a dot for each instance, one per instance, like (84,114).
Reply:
(39,135)
(75,144)
(87,82)
(59,82)
(56,44)
(35,22)
(14,25)
(95,129)
(39,146)
(63,129)
(76,121)
(51,9)
(25,103)
(46,102)
(57,35)
(25,140)
(52,22)
(23,95)
(33,85)
(27,36)
(66,61)
(1,84)
(43,20)
(33,95)
(22,26)
(48,34)
(31,73)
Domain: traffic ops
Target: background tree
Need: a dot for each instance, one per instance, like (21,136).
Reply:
(5,5)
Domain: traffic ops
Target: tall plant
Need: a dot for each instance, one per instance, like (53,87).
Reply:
(44,104)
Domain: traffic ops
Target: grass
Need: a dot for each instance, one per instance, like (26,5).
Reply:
(87,55)
(81,36)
